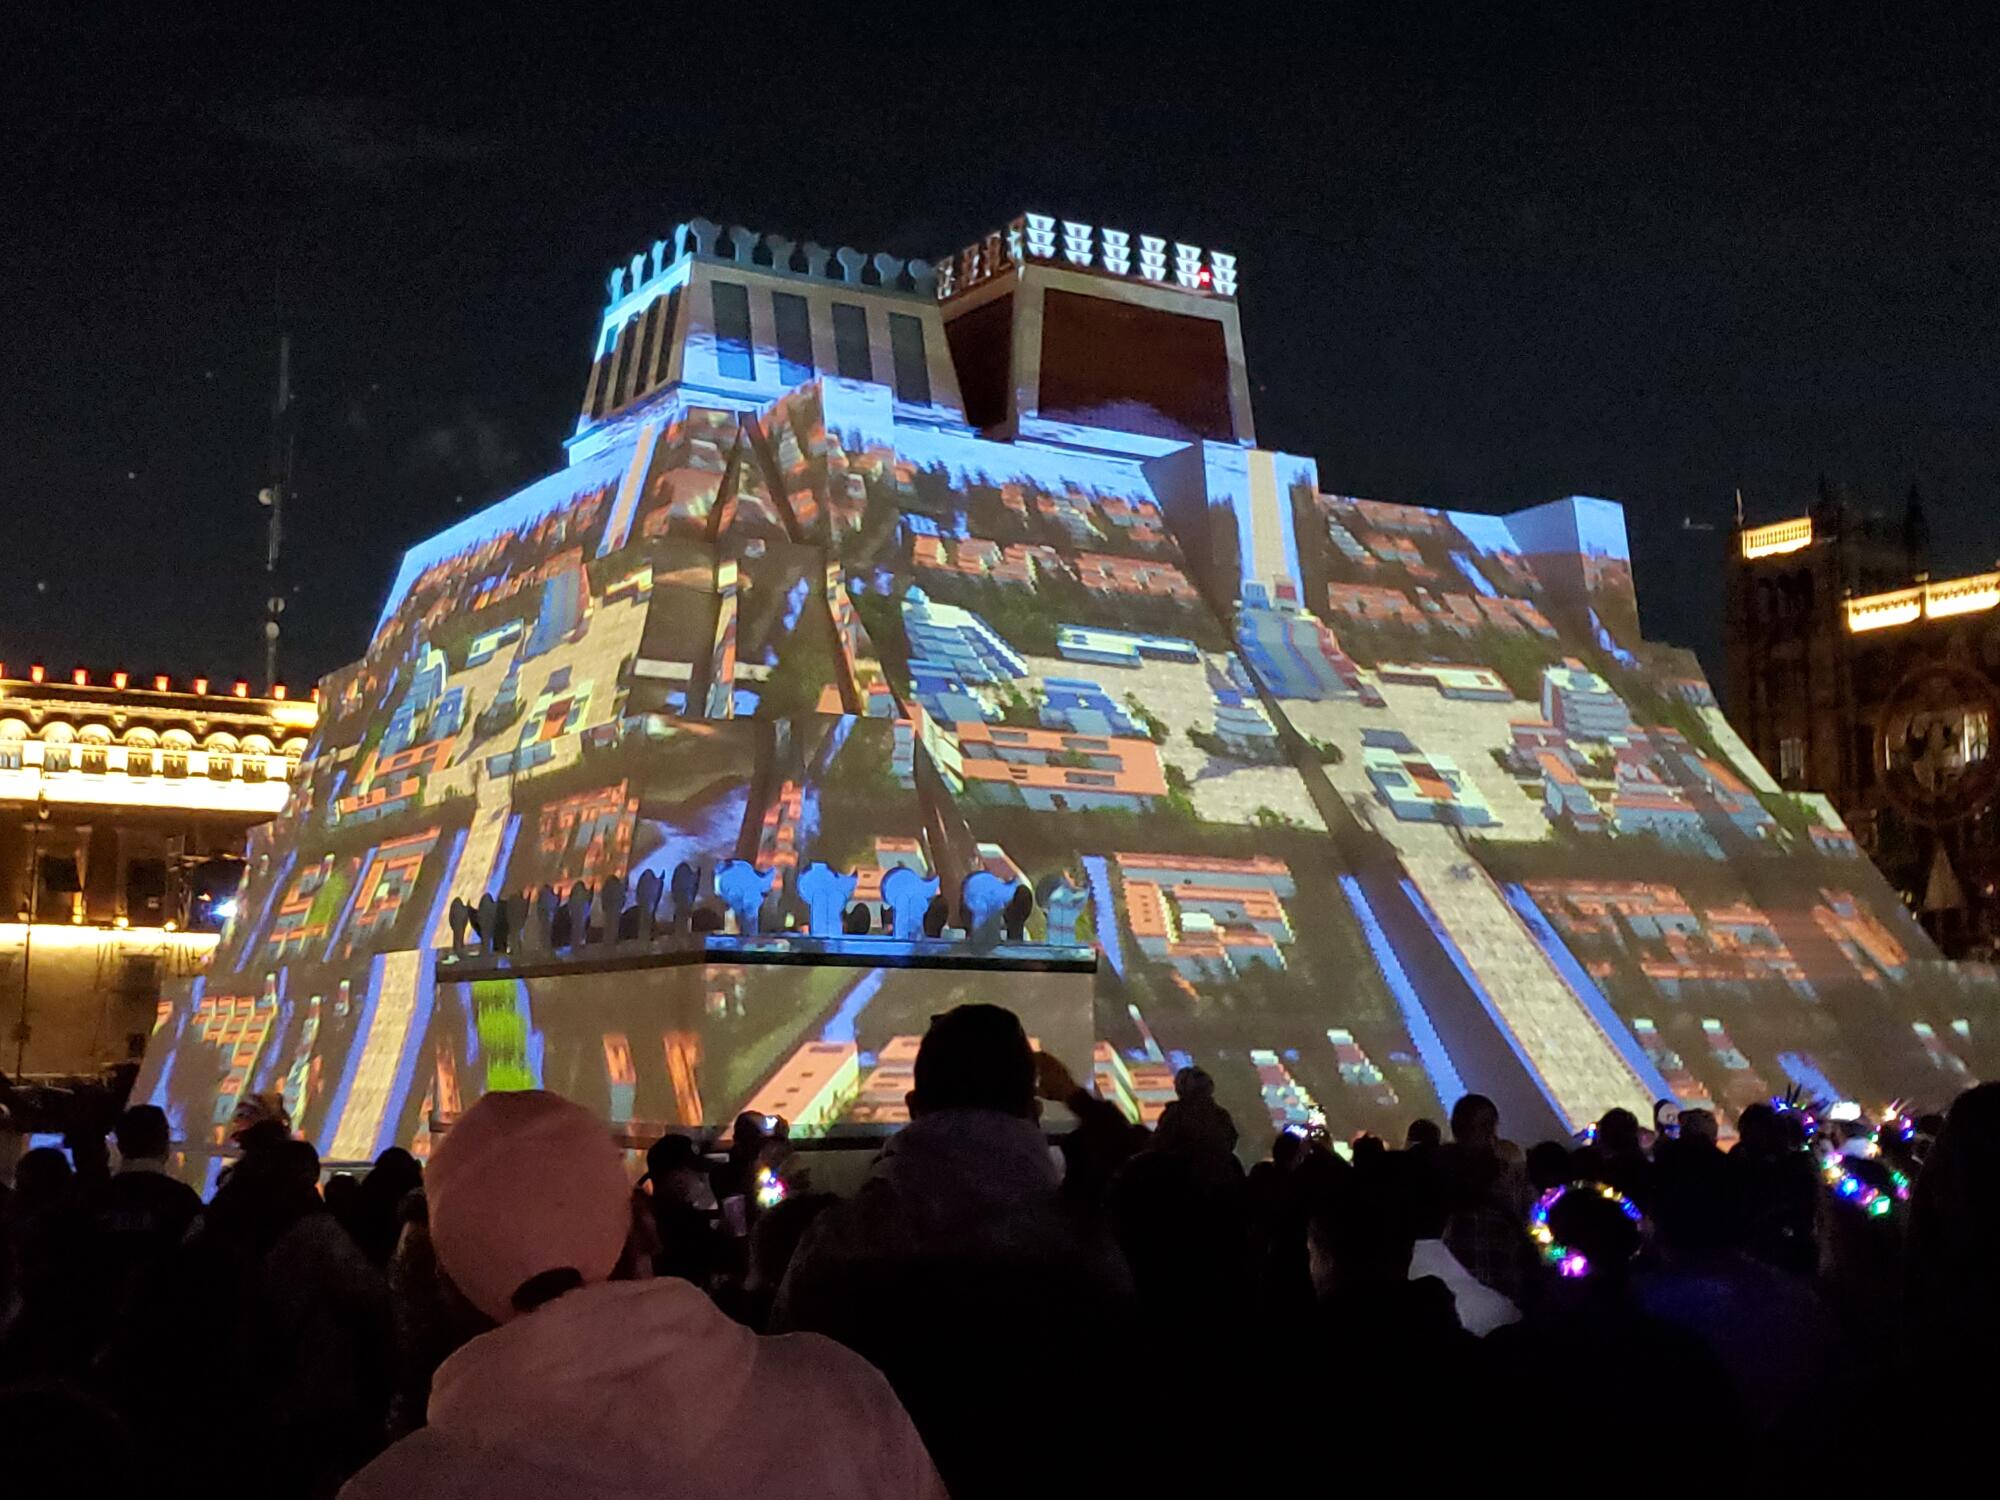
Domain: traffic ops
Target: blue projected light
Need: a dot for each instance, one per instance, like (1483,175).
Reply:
(1104,912)
(1802,1071)
(1430,1047)
(1473,576)
(1487,533)
(840,1026)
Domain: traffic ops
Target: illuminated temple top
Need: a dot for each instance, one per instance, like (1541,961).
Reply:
(867,579)
(1005,336)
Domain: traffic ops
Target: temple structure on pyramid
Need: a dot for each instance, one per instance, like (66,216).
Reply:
(978,566)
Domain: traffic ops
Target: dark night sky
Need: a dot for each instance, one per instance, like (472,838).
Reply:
(1486,262)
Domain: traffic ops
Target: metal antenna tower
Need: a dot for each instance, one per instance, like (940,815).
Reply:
(272,498)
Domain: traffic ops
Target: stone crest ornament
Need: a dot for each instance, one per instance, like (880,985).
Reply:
(1933,743)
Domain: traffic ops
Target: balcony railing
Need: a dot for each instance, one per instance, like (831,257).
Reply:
(1778,538)
(134,775)
(1928,601)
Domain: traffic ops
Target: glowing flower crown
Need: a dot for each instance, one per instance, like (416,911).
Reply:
(1568,1262)
(1865,1196)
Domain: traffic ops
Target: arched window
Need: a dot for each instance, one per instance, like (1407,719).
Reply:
(92,757)
(141,745)
(57,737)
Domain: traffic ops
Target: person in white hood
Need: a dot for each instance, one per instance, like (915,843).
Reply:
(592,1389)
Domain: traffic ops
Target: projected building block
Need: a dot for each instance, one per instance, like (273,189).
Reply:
(977,567)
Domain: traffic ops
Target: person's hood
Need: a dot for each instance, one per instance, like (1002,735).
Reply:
(965,1164)
(604,1384)
(1480,1308)
(646,1389)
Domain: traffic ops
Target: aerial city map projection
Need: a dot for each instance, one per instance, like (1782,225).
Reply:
(977,566)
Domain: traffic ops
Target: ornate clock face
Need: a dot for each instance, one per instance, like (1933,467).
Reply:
(1933,743)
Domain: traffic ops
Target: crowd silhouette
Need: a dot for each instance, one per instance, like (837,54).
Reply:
(988,1314)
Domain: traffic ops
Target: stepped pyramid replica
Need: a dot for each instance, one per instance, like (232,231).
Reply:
(875,591)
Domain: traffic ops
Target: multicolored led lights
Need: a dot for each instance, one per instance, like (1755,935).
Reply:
(1834,1169)
(771,1189)
(1571,1263)
(1865,1196)
(1785,1104)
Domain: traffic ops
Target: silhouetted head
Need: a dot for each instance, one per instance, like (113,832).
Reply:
(1358,1237)
(1698,1127)
(343,1196)
(270,1188)
(142,1133)
(1757,1132)
(1475,1122)
(42,1180)
(1368,1150)
(1548,1165)
(1422,1135)
(296,1162)
(255,1115)
(395,1173)
(261,1136)
(670,1154)
(747,1136)
(1618,1133)
(1600,1230)
(975,1057)
(1287,1146)
(1192,1083)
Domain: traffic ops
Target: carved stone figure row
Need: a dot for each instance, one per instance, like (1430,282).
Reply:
(747,247)
(546,922)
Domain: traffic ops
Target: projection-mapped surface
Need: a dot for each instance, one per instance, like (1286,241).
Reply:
(1402,805)
(1107,364)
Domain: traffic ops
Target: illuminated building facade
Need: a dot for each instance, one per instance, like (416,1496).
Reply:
(124,807)
(1855,675)
(866,577)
